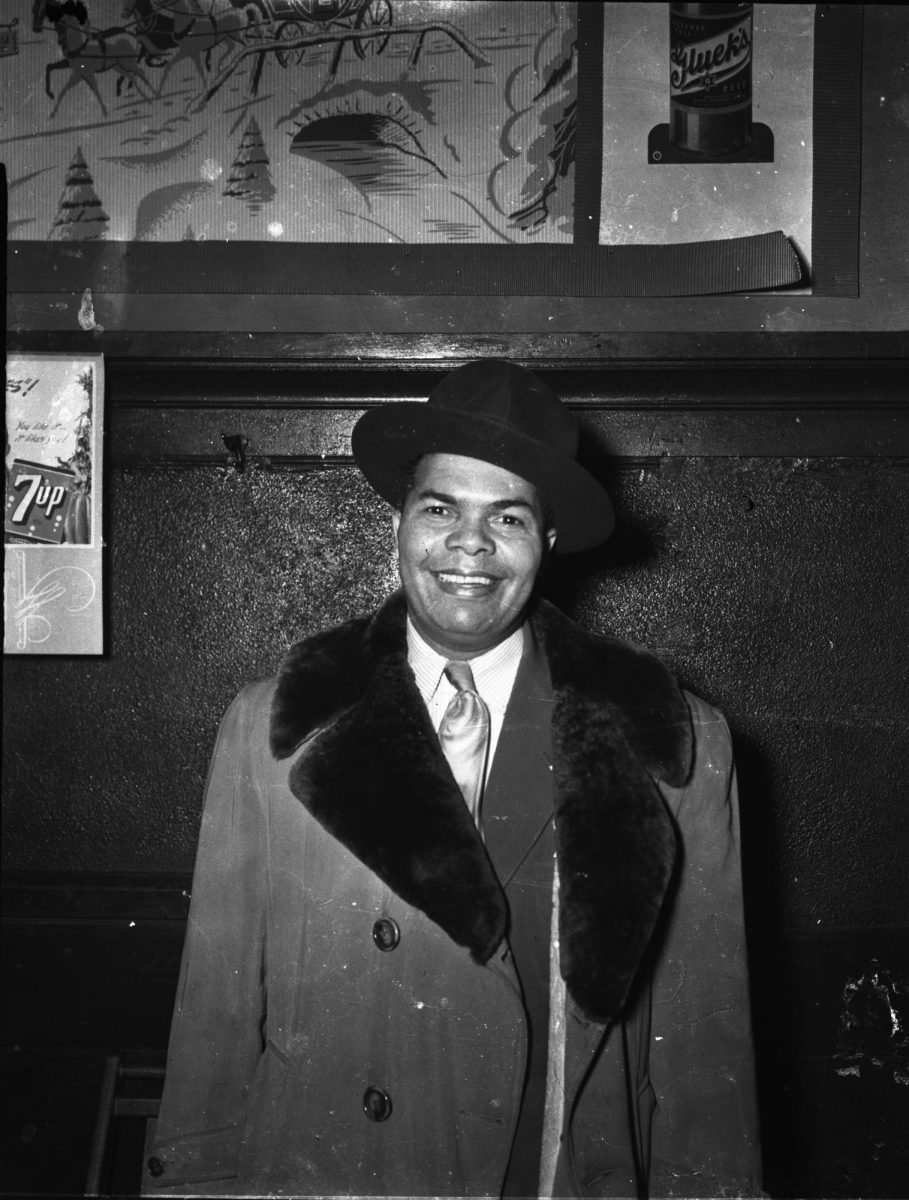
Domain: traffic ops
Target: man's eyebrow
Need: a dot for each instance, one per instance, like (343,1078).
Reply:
(516,503)
(498,505)
(430,495)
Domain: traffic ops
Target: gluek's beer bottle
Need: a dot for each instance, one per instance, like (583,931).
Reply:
(710,78)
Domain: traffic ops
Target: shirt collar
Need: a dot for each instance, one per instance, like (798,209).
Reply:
(493,672)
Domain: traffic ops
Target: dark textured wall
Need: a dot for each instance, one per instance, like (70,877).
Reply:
(775,587)
(211,574)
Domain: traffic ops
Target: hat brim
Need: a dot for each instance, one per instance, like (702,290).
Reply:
(386,439)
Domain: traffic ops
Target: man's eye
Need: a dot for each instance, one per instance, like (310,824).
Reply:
(510,519)
(436,510)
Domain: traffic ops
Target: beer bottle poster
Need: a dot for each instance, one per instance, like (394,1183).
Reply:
(707,112)
(52,595)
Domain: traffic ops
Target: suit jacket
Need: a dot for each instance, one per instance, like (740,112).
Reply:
(347,1018)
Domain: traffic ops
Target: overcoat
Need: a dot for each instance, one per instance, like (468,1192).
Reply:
(348,1020)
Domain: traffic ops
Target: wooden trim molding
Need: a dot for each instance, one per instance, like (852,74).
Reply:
(189,414)
(227,352)
(299,438)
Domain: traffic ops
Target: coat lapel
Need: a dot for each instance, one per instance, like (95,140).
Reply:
(620,724)
(375,777)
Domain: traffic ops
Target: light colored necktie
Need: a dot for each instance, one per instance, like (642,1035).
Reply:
(464,734)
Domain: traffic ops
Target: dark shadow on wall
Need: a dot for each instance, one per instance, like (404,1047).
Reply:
(633,543)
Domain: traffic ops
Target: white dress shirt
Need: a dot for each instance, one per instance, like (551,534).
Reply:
(493,673)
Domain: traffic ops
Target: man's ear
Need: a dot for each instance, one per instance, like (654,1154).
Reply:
(551,536)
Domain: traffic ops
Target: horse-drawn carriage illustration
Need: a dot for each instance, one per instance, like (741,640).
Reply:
(293,19)
(164,34)
(163,25)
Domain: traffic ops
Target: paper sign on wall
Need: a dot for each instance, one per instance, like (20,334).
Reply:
(52,592)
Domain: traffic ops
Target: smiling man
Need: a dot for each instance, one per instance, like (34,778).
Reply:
(471,540)
(466,917)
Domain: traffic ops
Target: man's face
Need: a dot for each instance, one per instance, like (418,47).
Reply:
(470,544)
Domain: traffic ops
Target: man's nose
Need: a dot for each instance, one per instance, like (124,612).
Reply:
(472,536)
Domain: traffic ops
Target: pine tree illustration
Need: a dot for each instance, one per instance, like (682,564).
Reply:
(250,178)
(80,216)
(189,236)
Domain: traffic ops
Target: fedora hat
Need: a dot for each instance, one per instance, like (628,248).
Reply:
(500,413)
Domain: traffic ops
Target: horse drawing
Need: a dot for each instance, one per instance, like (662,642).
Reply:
(88,52)
(188,30)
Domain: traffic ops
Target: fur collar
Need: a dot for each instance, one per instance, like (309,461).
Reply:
(376,779)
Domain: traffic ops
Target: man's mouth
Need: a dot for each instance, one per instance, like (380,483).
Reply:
(465,584)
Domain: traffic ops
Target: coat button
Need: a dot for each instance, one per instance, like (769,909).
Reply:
(376,1104)
(155,1167)
(386,934)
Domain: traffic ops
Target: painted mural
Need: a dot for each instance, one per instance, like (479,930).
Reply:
(415,121)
